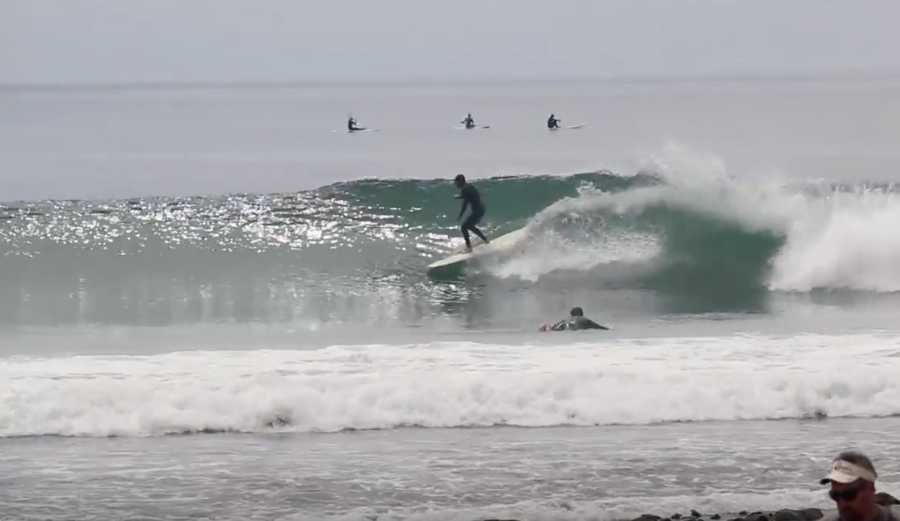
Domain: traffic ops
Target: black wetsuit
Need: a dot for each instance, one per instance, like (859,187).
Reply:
(552,123)
(576,323)
(470,197)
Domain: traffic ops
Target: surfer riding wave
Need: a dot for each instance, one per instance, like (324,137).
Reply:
(470,197)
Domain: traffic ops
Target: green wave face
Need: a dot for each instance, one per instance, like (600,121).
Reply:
(360,249)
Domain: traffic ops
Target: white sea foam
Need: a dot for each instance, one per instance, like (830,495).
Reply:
(846,240)
(836,239)
(453,384)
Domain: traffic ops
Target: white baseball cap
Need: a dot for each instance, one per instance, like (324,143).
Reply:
(849,467)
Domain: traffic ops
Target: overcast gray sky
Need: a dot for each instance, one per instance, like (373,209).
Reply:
(66,41)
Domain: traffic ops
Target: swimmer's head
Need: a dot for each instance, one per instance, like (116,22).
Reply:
(459,180)
(576,312)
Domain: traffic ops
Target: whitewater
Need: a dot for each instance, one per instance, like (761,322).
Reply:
(453,384)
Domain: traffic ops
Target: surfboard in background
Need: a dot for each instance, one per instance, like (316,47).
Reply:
(570,127)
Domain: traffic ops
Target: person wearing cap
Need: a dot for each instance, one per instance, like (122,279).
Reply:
(576,321)
(852,480)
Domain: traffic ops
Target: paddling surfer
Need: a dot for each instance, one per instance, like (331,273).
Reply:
(575,322)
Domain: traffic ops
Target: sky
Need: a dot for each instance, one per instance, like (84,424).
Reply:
(134,41)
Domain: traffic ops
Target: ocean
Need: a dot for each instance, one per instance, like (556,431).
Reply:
(214,301)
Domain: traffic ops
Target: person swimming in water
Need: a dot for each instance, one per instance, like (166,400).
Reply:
(470,198)
(575,322)
(351,125)
(469,121)
(552,122)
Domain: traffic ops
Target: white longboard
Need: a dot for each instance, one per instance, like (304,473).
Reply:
(498,245)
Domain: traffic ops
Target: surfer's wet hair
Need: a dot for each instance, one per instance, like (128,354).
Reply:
(459,179)
(577,312)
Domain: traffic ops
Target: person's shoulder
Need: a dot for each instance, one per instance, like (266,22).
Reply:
(595,325)
(891,513)
(586,323)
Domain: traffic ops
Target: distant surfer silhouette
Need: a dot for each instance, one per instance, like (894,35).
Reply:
(351,125)
(469,121)
(470,198)
(552,122)
(576,321)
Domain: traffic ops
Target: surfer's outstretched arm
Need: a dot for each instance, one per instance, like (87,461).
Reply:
(562,325)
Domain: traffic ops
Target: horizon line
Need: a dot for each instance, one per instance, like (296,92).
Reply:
(647,78)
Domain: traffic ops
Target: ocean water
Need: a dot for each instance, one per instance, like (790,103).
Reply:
(214,305)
